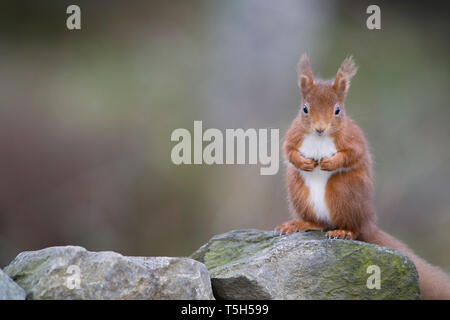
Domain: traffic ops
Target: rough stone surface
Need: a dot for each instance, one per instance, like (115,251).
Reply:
(9,290)
(45,274)
(255,264)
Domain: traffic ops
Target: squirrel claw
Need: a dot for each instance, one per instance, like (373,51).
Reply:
(277,232)
(288,227)
(340,234)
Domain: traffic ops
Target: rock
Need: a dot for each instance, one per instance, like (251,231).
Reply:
(74,273)
(255,264)
(9,290)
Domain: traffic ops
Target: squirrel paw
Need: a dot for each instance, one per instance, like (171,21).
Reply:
(295,226)
(328,164)
(308,165)
(341,234)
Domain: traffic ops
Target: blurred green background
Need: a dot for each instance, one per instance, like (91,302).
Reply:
(86,117)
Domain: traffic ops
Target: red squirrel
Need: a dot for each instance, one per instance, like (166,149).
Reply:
(329,174)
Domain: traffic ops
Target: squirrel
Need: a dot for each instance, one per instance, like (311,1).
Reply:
(329,173)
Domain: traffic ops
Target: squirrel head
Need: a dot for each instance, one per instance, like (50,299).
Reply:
(322,109)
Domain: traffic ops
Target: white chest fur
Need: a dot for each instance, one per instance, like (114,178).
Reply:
(316,147)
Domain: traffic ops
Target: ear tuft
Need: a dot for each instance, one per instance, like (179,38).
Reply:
(348,67)
(305,76)
(344,75)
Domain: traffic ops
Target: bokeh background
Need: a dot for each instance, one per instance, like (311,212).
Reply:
(86,117)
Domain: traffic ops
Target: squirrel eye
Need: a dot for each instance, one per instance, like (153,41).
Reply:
(337,110)
(305,109)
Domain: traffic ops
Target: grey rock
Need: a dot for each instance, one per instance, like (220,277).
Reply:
(255,264)
(9,290)
(72,272)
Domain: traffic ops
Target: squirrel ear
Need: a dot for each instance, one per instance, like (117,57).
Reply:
(305,76)
(344,75)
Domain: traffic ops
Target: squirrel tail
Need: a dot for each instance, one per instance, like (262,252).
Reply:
(434,283)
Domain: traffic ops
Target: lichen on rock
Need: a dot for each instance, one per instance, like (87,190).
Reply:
(72,272)
(9,290)
(256,264)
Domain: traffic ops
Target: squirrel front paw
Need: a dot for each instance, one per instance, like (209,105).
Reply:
(328,164)
(307,164)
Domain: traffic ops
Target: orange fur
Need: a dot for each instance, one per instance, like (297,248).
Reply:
(348,191)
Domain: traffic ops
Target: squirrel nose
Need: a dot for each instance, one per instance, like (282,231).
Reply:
(320,130)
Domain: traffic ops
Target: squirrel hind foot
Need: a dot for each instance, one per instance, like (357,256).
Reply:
(341,234)
(296,226)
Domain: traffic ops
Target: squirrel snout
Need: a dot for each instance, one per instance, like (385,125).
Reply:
(320,131)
